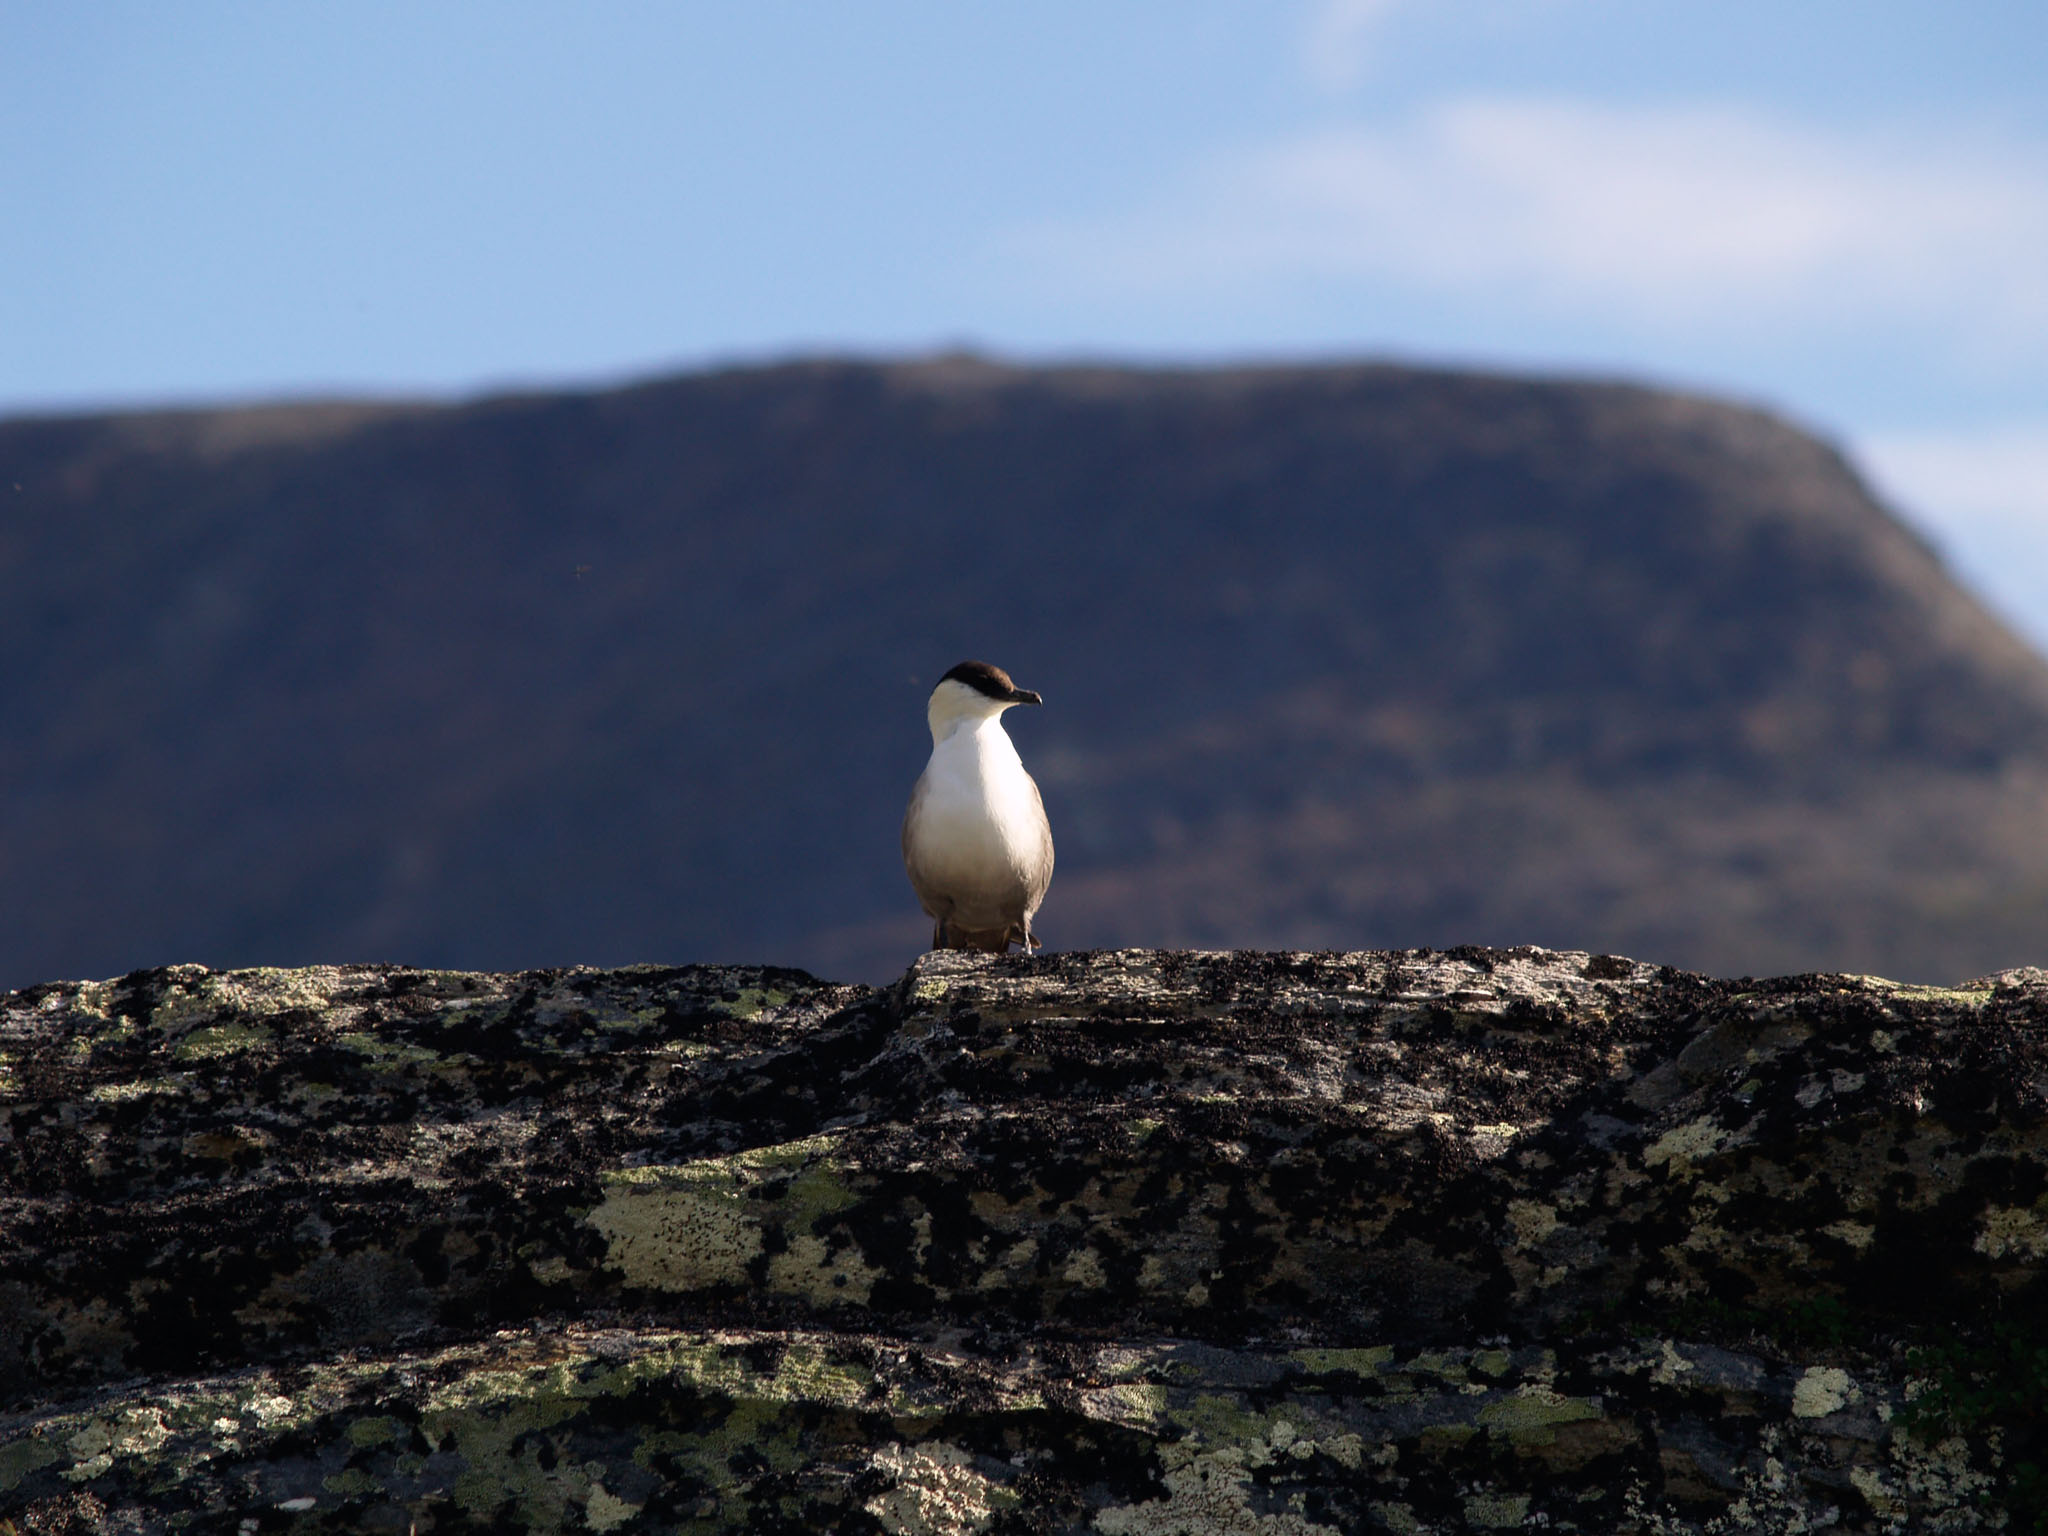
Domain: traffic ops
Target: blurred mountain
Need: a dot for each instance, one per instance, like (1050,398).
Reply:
(1333,657)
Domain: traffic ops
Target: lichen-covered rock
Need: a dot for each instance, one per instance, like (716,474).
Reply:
(1131,1242)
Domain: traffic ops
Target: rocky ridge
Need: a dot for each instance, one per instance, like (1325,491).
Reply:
(1139,1241)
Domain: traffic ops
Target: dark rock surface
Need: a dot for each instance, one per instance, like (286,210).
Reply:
(1333,657)
(1144,1241)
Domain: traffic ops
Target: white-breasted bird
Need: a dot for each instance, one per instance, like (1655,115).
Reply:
(975,839)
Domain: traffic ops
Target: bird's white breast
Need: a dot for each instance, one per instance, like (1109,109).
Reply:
(976,826)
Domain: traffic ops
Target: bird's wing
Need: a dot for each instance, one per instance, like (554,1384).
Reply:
(934,906)
(1041,872)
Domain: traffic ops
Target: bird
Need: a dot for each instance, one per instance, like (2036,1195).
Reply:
(976,842)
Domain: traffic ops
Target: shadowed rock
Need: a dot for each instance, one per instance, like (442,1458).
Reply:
(1136,1242)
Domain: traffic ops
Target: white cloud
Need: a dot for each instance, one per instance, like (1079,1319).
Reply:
(1338,45)
(1675,219)
(1983,492)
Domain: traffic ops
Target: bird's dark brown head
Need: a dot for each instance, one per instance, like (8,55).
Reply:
(991,681)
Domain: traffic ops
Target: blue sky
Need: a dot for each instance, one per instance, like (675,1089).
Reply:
(1837,209)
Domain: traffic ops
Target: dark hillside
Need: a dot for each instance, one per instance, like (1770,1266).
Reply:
(1333,657)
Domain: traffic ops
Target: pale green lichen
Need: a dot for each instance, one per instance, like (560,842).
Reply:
(1822,1390)
(807,1370)
(351,1482)
(30,1454)
(752,1002)
(691,1226)
(1013,1266)
(264,990)
(1531,1220)
(138,1088)
(1855,1233)
(1942,1478)
(190,992)
(377,1431)
(1969,998)
(606,1511)
(1294,1432)
(1877,1492)
(226,1039)
(1682,1147)
(391,1055)
(937,1490)
(1400,1519)
(631,1019)
(1529,1416)
(94,999)
(1356,1362)
(502,1449)
(2020,1231)
(1084,1271)
(1493,1362)
(1135,1404)
(1496,1511)
(96,1442)
(1208,1493)
(1453,1367)
(1222,1419)
(677,1229)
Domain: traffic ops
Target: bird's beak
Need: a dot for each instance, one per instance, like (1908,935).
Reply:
(1024,696)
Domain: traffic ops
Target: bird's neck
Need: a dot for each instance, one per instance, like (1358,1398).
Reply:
(980,739)
(964,729)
